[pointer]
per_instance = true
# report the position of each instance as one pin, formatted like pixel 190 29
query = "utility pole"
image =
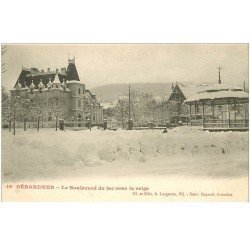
pixel 244 86
pixel 129 103
pixel 219 68
pixel 129 113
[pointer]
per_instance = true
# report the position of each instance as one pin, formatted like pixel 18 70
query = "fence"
pixel 34 124
pixel 51 124
pixel 220 123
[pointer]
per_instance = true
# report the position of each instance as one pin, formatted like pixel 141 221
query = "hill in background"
pixel 110 92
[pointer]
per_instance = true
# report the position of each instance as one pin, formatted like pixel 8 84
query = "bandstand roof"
pixel 189 89
pixel 219 95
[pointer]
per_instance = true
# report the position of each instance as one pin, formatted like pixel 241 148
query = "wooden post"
pixel 228 107
pixel 190 113
pixel 213 109
pixel 14 123
pixel 235 113
pixel 203 114
pixel 245 115
pixel 195 107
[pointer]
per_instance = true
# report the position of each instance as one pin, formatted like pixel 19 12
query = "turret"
pixel 49 85
pixel 25 86
pixel 18 85
pixel 40 85
pixel 32 86
pixel 56 83
pixel 64 84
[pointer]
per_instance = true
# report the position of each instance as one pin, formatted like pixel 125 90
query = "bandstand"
pixel 219 108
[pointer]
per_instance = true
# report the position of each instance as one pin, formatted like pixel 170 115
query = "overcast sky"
pixel 133 63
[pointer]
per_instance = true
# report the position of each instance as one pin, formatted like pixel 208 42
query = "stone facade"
pixel 77 102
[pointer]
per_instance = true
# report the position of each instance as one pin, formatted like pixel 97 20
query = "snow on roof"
pixel 73 81
pixel 56 80
pixel 159 98
pixel 190 89
pixel 218 92
pixel 219 87
pixel 107 105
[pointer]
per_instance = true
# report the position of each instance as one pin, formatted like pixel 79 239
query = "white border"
pixel 124 225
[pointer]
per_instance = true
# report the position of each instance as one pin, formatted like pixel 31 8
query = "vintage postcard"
pixel 125 122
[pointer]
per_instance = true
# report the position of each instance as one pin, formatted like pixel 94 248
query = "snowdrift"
pixel 182 150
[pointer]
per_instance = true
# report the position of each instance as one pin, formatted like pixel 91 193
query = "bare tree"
pixel 38 105
pixel 57 107
pixel 3 51
pixel 89 109
pixel 25 108
pixel 15 108
pixel 121 112
pixel 6 108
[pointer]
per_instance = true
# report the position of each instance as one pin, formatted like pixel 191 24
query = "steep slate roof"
pixel 72 74
pixel 28 74
pixel 88 91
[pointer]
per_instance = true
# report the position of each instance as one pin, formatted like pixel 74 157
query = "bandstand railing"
pixel 220 123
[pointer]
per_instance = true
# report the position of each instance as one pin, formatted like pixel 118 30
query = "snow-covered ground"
pixel 181 151
pixel 181 154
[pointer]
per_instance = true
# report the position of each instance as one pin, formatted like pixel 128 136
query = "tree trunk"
pixel 14 123
pixel 56 123
pixel 38 123
pixel 122 119
pixel 9 125
pixel 14 127
pixel 24 125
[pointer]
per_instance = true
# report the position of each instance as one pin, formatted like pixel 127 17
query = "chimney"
pixel 63 70
pixel 48 70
